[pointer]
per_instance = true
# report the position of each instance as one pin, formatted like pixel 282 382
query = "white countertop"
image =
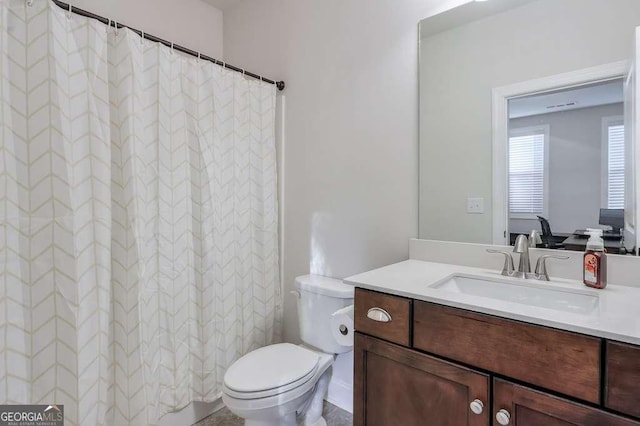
pixel 616 317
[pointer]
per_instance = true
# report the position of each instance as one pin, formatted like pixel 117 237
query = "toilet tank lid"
pixel 324 285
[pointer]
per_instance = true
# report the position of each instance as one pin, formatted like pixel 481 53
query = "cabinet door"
pixel 522 406
pixel 622 385
pixel 398 386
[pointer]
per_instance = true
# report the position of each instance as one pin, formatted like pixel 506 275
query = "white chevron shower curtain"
pixel 138 219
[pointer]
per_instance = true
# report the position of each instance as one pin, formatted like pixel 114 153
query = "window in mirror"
pixel 528 172
pixel 614 143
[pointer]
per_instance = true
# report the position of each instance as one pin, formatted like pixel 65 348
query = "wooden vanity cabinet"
pixel 399 386
pixel 416 380
pixel 622 386
pixel 528 407
pixel 561 361
pixel 397 310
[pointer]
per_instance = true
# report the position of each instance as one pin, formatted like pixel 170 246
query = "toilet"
pixel 276 384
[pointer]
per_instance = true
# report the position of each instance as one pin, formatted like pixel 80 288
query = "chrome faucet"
pixel 524 265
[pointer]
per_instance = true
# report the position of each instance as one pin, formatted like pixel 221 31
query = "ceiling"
pixel 223 4
pixel 605 93
pixel 468 12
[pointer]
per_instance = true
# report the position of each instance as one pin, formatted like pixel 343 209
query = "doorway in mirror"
pixel 565 163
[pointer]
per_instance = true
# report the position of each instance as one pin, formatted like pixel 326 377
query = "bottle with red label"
pixel 595 261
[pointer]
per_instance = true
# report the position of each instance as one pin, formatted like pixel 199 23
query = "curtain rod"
pixel 107 21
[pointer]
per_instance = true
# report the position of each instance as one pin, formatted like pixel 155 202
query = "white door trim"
pixel 500 112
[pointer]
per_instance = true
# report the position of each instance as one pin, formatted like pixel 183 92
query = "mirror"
pixel 513 73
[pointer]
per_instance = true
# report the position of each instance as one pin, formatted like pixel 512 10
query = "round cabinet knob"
pixel 476 406
pixel 503 417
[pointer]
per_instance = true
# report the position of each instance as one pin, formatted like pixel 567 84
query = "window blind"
pixel 526 174
pixel 615 171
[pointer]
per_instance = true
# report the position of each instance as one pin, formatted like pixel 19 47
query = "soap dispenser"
pixel 595 261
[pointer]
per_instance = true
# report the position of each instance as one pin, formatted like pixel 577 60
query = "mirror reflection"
pixel 566 166
pixel 566 160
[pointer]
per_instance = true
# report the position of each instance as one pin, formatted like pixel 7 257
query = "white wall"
pixel 575 167
pixel 350 163
pixel 461 66
pixel 189 23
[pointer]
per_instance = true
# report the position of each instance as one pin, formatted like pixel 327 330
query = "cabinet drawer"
pixel 560 361
pixel 622 388
pixel 528 407
pixel 372 309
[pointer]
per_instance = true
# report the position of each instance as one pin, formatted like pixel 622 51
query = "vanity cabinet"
pixel 400 386
pixel 523 406
pixel 435 366
pixel 373 313
pixel 623 378
pixel 568 363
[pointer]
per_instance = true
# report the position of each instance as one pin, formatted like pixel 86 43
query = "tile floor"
pixel 332 414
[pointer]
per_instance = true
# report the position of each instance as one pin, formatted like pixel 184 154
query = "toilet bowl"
pixel 272 385
pixel 277 384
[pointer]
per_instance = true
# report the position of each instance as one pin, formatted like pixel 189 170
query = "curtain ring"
pixel 115 25
pixel 30 3
pixel 70 12
pixel 172 52
pixel 141 37
pixel 198 57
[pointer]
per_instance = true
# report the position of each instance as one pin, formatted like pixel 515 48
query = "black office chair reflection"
pixel 548 240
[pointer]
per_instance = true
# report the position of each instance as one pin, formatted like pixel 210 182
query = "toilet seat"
pixel 270 371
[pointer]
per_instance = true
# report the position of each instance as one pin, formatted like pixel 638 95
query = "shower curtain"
pixel 138 219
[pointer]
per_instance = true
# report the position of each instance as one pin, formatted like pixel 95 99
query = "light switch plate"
pixel 475 205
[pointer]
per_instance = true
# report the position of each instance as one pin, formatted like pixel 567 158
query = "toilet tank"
pixel 319 298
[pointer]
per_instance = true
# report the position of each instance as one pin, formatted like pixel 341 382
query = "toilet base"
pixel 319 422
pixel 313 412
pixel 285 421
pixel 288 420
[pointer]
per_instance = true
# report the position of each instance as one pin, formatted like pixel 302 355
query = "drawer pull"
pixel 503 417
pixel 476 406
pixel 378 314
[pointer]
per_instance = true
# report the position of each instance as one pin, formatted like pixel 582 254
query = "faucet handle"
pixel 541 265
pixel 508 267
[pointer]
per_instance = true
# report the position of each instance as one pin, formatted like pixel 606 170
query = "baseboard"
pixel 191 414
pixel 340 394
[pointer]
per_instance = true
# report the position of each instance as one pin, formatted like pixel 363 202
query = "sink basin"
pixel 534 294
